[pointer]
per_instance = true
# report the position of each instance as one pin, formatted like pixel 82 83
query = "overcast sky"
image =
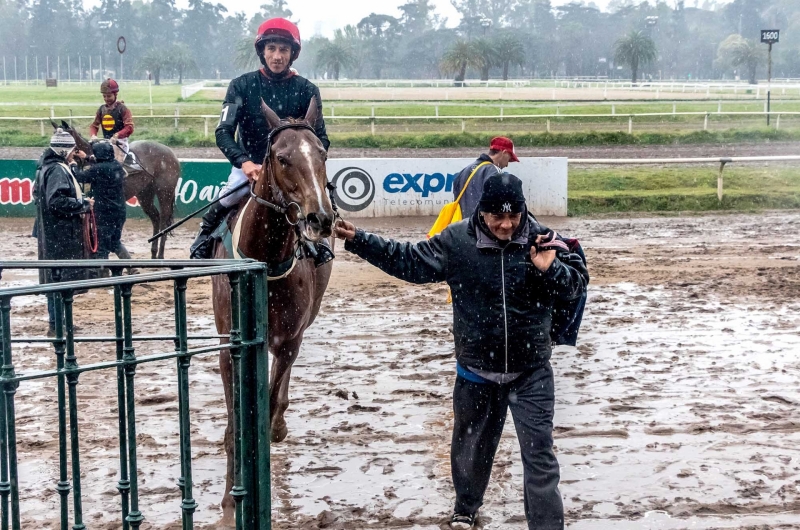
pixel 323 16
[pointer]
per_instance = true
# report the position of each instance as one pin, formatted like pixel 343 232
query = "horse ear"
pixel 54 124
pixel 312 113
pixel 65 126
pixel 272 119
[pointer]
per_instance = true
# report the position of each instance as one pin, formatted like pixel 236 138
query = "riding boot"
pixel 131 161
pixel 122 253
pixel 202 246
pixel 324 253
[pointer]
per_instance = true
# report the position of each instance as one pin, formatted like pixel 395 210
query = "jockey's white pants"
pixel 236 178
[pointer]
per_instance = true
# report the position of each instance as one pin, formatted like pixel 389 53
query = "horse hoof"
pixel 279 434
pixel 228 518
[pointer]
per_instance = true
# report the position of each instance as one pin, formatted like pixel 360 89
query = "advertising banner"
pixel 366 187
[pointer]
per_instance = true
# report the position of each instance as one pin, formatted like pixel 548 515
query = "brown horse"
pixel 157 180
pixel 292 179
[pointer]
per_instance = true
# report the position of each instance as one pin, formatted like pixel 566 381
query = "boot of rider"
pixel 202 246
pixel 324 253
pixel 131 161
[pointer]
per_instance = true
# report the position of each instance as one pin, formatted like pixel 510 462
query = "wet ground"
pixel 676 410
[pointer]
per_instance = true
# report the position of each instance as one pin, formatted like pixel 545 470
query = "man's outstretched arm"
pixel 422 262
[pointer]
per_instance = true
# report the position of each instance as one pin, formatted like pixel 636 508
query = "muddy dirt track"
pixel 610 151
pixel 678 408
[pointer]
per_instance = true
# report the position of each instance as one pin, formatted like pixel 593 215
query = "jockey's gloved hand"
pixel 93 138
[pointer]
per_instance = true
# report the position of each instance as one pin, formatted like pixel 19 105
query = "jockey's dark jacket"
pixel 502 304
pixel 289 97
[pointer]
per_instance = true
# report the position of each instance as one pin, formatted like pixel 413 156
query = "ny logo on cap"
pixel 506 207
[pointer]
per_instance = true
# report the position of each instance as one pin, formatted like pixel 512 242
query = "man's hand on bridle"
pixel 543 259
pixel 344 230
pixel 251 170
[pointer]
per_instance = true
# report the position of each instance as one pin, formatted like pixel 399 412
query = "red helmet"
pixel 109 86
pixel 279 28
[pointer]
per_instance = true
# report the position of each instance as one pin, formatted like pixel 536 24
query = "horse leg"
pixel 147 202
pixel 226 371
pixel 166 207
pixel 285 355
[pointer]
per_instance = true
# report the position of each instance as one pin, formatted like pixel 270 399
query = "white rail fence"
pixel 722 161
pixel 374 119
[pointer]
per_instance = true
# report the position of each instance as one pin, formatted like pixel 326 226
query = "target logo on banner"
pixel 355 189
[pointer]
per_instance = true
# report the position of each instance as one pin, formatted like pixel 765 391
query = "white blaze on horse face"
pixel 305 148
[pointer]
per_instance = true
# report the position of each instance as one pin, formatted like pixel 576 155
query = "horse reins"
pixel 285 210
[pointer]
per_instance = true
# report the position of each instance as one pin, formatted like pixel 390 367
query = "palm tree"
pixel 737 51
pixel 633 50
pixel 335 55
pixel 510 51
pixel 181 59
pixel 486 55
pixel 460 56
pixel 154 60
pixel 246 57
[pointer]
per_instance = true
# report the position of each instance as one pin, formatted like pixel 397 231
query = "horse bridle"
pixel 286 208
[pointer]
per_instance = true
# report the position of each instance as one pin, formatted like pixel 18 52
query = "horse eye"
pixel 283 160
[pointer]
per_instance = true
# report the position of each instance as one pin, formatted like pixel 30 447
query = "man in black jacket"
pixel 289 95
pixel 59 208
pixel 107 178
pixel 504 281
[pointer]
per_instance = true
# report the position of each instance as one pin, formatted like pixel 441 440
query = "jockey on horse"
pixel 289 95
pixel 116 122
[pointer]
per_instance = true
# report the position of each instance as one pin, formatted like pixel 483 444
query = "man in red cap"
pixel 288 94
pixel 501 153
pixel 114 119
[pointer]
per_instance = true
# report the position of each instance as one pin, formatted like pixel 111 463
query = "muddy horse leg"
pixel 166 206
pixel 226 371
pixel 147 202
pixel 285 355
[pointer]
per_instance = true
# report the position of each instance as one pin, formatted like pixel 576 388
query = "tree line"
pixel 675 39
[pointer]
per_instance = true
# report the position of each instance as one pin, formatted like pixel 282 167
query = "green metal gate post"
pixel 124 483
pixel 11 483
pixel 59 345
pixel 188 504
pixel 247 403
pixel 72 382
pixel 238 492
pixel 258 323
pixel 135 517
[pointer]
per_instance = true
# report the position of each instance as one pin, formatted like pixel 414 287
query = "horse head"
pixel 81 143
pixel 294 174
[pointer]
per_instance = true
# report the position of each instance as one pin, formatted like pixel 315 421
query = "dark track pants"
pixel 480 413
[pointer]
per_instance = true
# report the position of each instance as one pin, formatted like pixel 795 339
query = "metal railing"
pixel 722 161
pixel 373 120
pixel 248 350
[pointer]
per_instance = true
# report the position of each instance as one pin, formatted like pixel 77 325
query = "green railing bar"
pixel 128 280
pixel 119 263
pixel 9 389
pixel 143 338
pixel 113 364
pixel 72 384
pixel 135 517
pixel 188 504
pixel 124 483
